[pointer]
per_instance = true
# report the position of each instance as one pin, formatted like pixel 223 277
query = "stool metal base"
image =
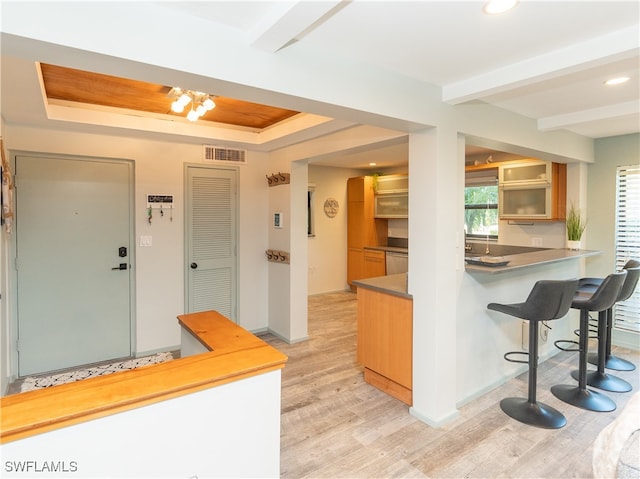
pixel 604 381
pixel 583 398
pixel 535 414
pixel 612 362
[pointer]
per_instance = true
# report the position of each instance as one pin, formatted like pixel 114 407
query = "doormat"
pixel 31 382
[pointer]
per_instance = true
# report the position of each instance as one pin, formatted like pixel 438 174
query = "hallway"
pixel 336 425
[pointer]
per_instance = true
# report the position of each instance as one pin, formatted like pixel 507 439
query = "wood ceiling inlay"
pixel 68 84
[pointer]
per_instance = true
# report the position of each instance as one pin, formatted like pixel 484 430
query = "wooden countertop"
pixel 395 284
pixel 525 260
pixel 235 354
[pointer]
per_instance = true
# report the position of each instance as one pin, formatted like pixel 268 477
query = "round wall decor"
pixel 331 207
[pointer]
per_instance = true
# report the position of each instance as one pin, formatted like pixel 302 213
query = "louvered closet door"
pixel 211 240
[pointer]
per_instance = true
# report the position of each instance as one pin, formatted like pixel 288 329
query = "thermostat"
pixel 277 220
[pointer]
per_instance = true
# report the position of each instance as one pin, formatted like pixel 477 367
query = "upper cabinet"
pixel 391 196
pixel 391 184
pixel 525 174
pixel 532 190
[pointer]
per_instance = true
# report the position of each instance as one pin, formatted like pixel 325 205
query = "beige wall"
pixel 159 278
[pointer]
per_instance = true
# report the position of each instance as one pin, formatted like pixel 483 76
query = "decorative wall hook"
pixel 276 256
pixel 278 179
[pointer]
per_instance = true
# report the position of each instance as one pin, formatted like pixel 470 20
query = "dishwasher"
pixel 397 262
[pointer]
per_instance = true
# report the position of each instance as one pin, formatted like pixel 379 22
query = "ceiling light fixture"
pixel 200 102
pixel 617 81
pixel 495 7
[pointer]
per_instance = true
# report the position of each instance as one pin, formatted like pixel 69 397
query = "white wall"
pixel 159 269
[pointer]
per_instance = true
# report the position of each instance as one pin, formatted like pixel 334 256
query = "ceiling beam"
pixel 608 112
pixel 289 21
pixel 601 50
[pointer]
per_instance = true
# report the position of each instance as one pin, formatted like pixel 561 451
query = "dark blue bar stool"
pixel 547 300
pixel 603 358
pixel 602 299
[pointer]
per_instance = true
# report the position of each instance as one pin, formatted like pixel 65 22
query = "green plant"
pixel 374 182
pixel 575 224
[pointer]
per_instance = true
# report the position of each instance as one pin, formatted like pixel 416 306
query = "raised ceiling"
pixel 82 88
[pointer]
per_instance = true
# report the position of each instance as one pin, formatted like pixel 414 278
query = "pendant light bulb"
pixel 184 99
pixel 209 104
pixel 192 115
pixel 177 107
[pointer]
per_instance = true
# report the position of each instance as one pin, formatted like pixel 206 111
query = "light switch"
pixel 146 240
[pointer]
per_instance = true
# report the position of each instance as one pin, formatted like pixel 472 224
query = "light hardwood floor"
pixel 335 425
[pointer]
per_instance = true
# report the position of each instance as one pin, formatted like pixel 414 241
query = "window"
pixel 627 237
pixel 481 204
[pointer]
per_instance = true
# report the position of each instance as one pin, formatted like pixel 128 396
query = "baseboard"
pixel 288 341
pixel 347 290
pixel 626 339
pixel 430 422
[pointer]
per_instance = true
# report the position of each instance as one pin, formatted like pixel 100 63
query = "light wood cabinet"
pixel 374 263
pixel 362 228
pixel 385 342
pixel 531 190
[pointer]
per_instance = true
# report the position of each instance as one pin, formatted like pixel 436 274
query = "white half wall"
pixel 227 431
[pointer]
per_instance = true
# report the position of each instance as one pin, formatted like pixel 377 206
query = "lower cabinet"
pixel 374 263
pixel 385 342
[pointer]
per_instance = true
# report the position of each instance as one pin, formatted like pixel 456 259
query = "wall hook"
pixel 278 179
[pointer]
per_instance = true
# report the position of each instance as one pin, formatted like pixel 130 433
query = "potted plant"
pixel 575 227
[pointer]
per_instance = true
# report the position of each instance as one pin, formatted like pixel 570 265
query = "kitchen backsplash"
pixel 397 242
pixel 398 228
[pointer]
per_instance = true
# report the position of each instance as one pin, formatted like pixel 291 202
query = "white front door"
pixel 73 246
pixel 211 240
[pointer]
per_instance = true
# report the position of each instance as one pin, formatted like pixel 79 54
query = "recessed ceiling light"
pixel 495 7
pixel 617 81
pixel 372 164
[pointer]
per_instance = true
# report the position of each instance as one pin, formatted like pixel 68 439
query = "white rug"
pixel 30 383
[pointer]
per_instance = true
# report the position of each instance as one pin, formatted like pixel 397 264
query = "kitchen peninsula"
pixel 385 321
pixel 524 260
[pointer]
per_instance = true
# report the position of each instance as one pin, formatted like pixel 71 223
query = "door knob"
pixel 194 265
pixel 121 266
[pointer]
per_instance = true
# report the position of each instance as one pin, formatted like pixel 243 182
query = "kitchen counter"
pixel 525 260
pixel 385 338
pixel 395 284
pixel 391 249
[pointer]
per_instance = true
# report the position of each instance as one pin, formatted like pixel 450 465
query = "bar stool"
pixel 547 300
pixel 599 378
pixel 601 300
pixel 591 284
